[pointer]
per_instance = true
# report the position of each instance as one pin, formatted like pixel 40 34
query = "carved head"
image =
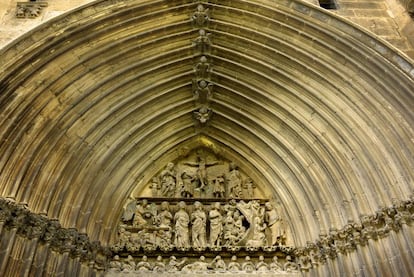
pixel 170 165
pixel 216 205
pixel 181 205
pixel 198 205
pixel 165 206
pixel 200 8
pixel 268 206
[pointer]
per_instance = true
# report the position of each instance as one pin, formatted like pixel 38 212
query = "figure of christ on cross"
pixel 201 173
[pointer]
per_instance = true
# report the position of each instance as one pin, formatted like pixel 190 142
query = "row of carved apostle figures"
pixel 216 264
pixel 232 225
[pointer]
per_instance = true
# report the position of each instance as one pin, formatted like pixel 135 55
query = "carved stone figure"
pixel 229 237
pixel 234 265
pixel 144 265
pixel 234 182
pixel 165 217
pixel 218 264
pixel 174 265
pixel 202 91
pixel 249 186
pixel 187 188
pixel 116 263
pixel 272 220
pixel 275 266
pixel 141 214
pixel 199 223
pixel 168 181
pixel 182 220
pixel 290 266
pixel 129 210
pixel 201 17
pixel 203 114
pixel 199 266
pixel 202 69
pixel 262 266
pixel 202 43
pixel 129 264
pixel 248 265
pixel 159 265
pixel 259 238
pixel 216 225
pixel 154 187
pixel 218 187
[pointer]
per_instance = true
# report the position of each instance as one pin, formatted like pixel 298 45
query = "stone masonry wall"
pixel 12 27
pixel 386 18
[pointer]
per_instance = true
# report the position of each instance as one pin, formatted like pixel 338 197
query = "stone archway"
pixel 95 102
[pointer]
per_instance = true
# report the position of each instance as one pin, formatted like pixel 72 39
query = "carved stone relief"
pixel 30 9
pixel 200 203
pixel 202 85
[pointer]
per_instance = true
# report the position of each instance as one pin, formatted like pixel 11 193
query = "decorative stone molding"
pixel 48 231
pixel 30 9
pixel 356 234
pixel 230 264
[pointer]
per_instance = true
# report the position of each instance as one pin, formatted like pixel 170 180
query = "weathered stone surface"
pixel 97 102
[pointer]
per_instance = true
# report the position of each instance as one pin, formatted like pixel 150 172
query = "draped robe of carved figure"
pixel 168 181
pixel 199 220
pixel 273 223
pixel 216 225
pixel 235 182
pixel 182 220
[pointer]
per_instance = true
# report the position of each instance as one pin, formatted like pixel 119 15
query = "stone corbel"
pixel 31 9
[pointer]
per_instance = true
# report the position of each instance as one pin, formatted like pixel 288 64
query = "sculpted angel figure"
pixel 200 17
